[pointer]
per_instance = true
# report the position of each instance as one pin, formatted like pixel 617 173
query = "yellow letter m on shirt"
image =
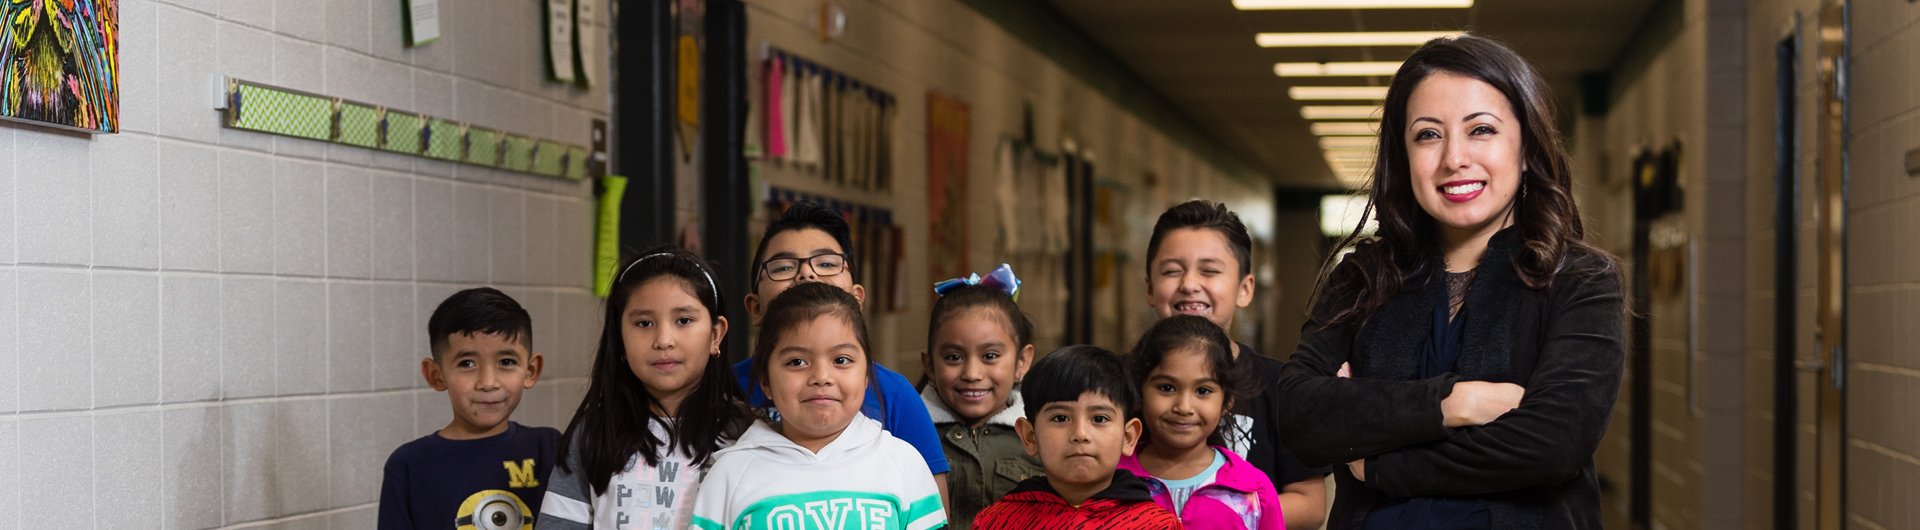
pixel 521 476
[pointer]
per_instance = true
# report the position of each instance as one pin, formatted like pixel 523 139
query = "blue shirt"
pixel 435 482
pixel 905 416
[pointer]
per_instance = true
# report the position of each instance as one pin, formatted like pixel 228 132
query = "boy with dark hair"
pixel 813 243
pixel 482 470
pixel 1200 262
pixel 1080 420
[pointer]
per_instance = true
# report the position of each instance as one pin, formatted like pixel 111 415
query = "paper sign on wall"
pixel 560 39
pixel 423 21
pixel 586 23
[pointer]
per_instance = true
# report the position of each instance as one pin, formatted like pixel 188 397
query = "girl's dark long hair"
pixel 614 421
pixel 1398 252
pixel 799 305
pixel 1192 333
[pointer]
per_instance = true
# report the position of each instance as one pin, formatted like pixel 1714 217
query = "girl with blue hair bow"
pixel 979 345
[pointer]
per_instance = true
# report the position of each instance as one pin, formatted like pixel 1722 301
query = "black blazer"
pixel 1534 465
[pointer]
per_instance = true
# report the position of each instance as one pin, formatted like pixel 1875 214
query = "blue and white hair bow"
pixel 1000 279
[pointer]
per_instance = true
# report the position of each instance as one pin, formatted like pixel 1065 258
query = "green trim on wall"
pixel 1039 25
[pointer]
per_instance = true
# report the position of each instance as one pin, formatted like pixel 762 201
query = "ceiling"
pixel 1201 55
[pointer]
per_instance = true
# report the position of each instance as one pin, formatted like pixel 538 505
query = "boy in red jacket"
pixel 1080 420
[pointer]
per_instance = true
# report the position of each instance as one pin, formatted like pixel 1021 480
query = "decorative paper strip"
pixel 273 110
pixel 606 248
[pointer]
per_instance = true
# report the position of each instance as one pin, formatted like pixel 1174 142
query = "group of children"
pixel 811 434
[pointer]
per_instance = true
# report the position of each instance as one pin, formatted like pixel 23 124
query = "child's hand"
pixel 1359 469
pixel 1346 370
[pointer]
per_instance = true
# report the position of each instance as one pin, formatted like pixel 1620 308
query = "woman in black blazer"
pixel 1483 337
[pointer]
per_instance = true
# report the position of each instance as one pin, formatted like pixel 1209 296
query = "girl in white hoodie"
pixel 824 466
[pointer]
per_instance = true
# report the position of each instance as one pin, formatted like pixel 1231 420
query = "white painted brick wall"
pixel 204 328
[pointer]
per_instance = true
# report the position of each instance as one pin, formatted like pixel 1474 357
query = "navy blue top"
pixel 435 482
pixel 905 416
pixel 1440 354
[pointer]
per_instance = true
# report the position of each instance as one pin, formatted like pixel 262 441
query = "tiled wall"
pixel 209 328
pixel 1883 450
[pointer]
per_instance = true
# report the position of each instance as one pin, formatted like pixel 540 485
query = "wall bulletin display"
pixel 1030 201
pixel 423 21
pixel 825 122
pixel 274 110
pixel 878 245
pixel 947 135
pixel 560 37
pixel 59 63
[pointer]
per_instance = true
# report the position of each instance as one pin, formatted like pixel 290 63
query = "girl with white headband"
pixel 659 406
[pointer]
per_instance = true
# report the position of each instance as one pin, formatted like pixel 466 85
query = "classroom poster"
pixel 947 135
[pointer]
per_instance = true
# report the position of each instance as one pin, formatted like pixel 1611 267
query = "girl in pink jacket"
pixel 1188 379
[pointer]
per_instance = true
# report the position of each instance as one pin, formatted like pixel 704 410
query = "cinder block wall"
pixel 1883 280
pixel 210 328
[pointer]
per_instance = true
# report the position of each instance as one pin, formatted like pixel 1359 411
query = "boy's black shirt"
pixel 428 480
pixel 1266 452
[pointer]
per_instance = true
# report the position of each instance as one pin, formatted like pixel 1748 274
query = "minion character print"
pixel 493 510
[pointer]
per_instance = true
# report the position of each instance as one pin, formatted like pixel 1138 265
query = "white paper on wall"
pixel 423 21
pixel 560 39
pixel 586 23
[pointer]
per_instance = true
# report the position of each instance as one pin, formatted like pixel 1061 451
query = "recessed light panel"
pixel 1346 128
pixel 1337 92
pixel 1340 112
pixel 1349 38
pixel 1336 69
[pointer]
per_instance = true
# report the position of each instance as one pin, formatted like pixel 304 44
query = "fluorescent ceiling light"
pixel 1349 128
pixel 1335 69
pixel 1340 112
pixel 1352 4
pixel 1349 38
pixel 1337 92
pixel 1332 143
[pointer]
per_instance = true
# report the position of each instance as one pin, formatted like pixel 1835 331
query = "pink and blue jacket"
pixel 1239 492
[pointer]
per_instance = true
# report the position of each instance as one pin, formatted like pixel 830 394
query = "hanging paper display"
pixel 559 17
pixel 423 21
pixel 59 63
pixel 826 123
pixel 947 136
pixel 586 37
pixel 688 75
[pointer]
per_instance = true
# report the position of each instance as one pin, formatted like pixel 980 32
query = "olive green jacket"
pixel 985 463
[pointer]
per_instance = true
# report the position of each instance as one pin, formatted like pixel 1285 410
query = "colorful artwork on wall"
pixel 59 63
pixel 947 136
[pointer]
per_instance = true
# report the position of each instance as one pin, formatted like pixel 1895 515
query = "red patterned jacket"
pixel 1124 505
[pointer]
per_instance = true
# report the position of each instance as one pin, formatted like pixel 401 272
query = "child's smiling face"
pixel 1195 272
pixel 1080 441
pixel 975 362
pixel 1181 401
pixel 483 375
pixel 817 379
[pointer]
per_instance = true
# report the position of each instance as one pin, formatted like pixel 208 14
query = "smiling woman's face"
pixel 1464 152
pixel 817 379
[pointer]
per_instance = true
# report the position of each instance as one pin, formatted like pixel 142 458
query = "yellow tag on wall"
pixel 689 80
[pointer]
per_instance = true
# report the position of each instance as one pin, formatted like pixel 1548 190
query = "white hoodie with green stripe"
pixel 864 480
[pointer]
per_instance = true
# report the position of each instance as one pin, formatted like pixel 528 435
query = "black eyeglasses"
pixel 784 269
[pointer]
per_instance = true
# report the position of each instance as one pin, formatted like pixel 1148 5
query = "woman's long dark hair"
pixel 614 421
pixel 1398 253
pixel 1192 332
pixel 799 305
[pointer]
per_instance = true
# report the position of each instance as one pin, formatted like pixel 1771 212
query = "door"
pixel 1830 218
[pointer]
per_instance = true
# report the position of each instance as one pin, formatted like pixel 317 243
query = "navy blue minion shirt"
pixel 495 482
